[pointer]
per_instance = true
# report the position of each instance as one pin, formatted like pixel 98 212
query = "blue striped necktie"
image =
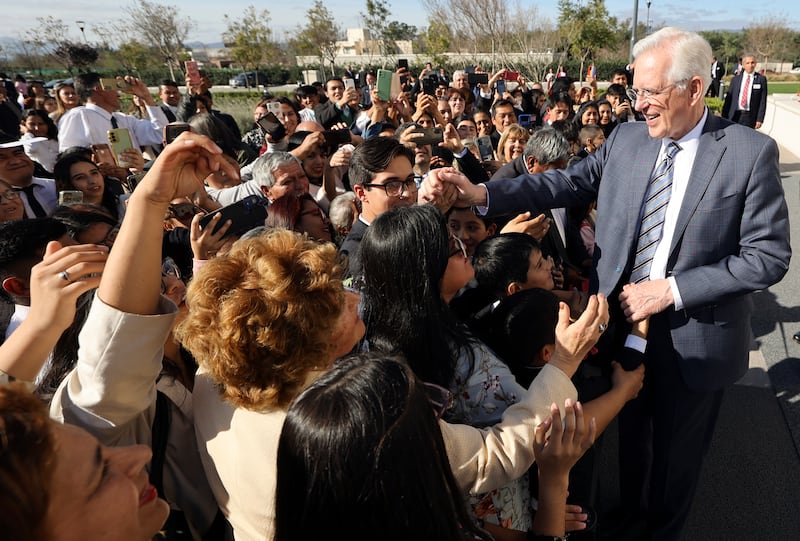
pixel 659 190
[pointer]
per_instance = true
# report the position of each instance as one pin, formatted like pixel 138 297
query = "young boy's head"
pixel 591 137
pixel 469 227
pixel 510 263
pixel 522 331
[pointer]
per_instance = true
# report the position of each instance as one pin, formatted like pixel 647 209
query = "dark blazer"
pixel 758 97
pixel 731 238
pixel 351 247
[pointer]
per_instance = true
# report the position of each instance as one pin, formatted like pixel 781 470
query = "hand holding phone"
pixel 120 140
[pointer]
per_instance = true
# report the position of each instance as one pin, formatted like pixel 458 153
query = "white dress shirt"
pixel 46 195
pixel 749 93
pixel 88 125
pixel 682 171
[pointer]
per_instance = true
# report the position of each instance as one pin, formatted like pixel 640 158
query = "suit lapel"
pixel 641 167
pixel 709 154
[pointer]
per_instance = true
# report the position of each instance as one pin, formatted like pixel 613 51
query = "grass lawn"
pixel 790 87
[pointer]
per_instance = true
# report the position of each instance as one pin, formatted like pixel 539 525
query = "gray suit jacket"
pixel 732 235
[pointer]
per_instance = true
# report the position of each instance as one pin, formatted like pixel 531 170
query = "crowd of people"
pixel 358 318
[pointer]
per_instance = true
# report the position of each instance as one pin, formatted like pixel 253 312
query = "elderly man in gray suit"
pixel 691 219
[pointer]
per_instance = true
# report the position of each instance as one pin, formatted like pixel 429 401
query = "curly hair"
pixel 27 462
pixel 261 317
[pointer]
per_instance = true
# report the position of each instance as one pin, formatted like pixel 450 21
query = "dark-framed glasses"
pixel 394 188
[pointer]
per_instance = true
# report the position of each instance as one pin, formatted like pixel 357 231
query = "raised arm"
pixel 56 283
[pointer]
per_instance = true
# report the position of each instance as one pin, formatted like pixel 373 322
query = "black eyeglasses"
pixel 394 188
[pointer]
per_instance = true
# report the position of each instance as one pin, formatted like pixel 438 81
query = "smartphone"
pixel 174 129
pixel 385 84
pixel 336 137
pixel 244 215
pixel 402 63
pixel 102 155
pixel 271 125
pixel 192 72
pixel 524 121
pixel 120 141
pixel 111 83
pixel 349 83
pixel 70 197
pixel 430 136
pixel 501 87
pixel 274 107
pixel 478 78
pixel 429 86
pixel 485 148
pixel 511 76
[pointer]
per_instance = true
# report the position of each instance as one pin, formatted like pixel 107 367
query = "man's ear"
pixel 490 231
pixel 530 163
pixel 17 287
pixel 360 192
pixel 546 353
pixel 695 89
pixel 265 191
pixel 513 287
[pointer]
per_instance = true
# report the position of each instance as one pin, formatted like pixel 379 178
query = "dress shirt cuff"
pixel 462 153
pixel 636 342
pixel 485 95
pixel 483 210
pixel 676 294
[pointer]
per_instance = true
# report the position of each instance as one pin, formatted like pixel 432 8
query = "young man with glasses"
pixel 382 177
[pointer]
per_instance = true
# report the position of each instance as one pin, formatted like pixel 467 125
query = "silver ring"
pixel 602 327
pixel 64 276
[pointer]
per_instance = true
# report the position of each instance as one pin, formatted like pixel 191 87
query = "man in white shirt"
pixel 89 125
pixel 38 195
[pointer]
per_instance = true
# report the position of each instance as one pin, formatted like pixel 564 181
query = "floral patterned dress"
pixel 483 389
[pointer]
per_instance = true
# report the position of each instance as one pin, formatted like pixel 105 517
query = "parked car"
pixel 248 79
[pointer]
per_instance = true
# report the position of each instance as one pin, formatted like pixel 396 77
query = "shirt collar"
pixel 690 138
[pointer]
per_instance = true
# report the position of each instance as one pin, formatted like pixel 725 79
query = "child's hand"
pixel 558 452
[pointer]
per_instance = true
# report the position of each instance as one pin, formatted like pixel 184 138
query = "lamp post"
pixel 82 26
pixel 647 31
pixel 634 22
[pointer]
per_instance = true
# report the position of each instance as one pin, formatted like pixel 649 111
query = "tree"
pixel 375 20
pixel 75 55
pixel 319 35
pixel 436 41
pixel 397 31
pixel 768 37
pixel 160 26
pixel 249 39
pixel 134 56
pixel 585 28
pixel 727 45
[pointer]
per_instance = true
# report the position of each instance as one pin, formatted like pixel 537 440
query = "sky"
pixel 19 18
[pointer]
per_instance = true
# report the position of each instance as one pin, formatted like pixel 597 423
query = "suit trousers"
pixel 664 436
pixel 745 118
